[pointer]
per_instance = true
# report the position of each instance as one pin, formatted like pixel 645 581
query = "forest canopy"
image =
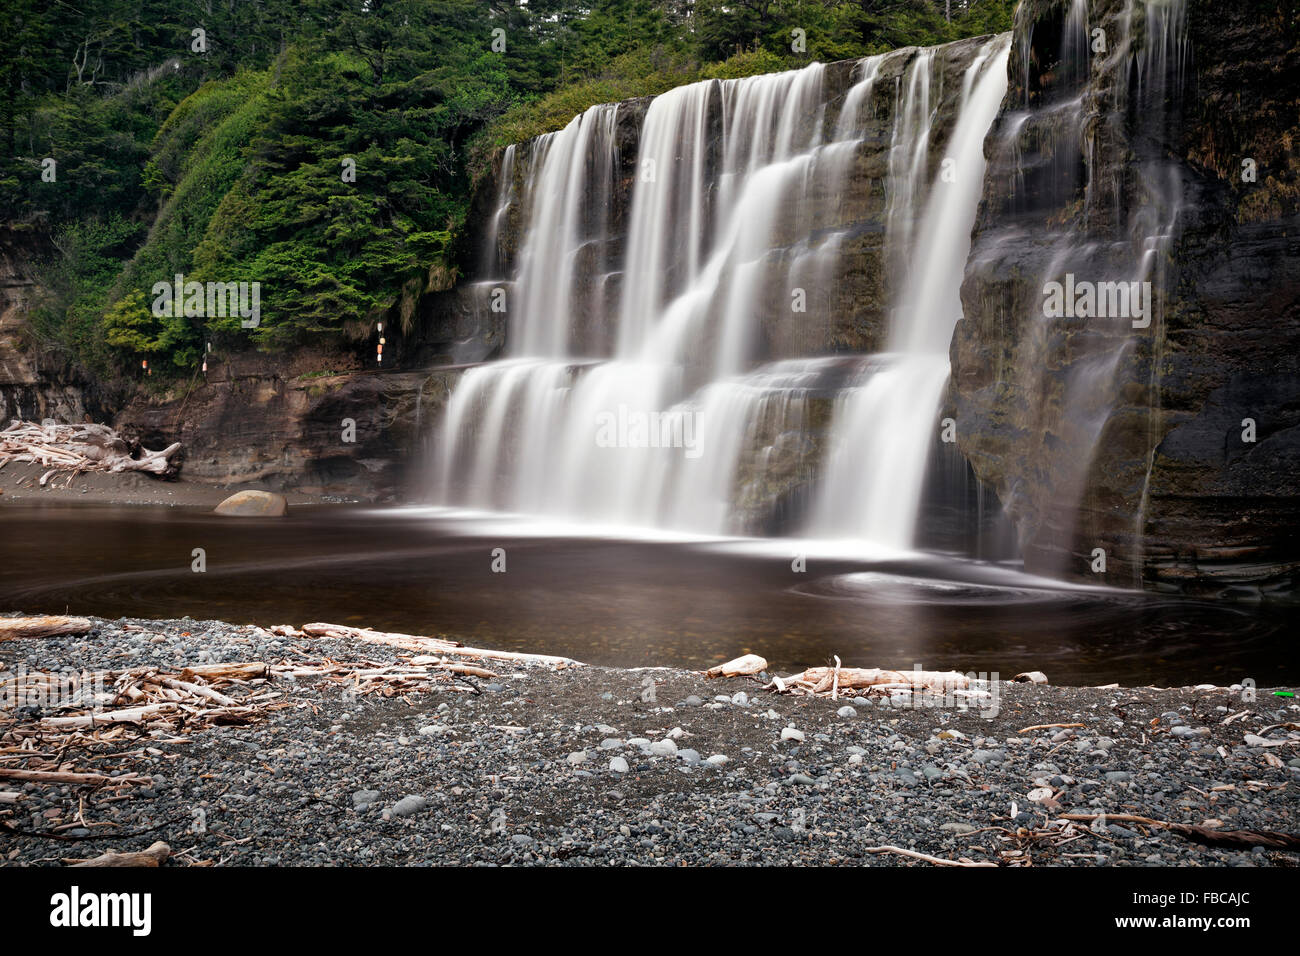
pixel 328 148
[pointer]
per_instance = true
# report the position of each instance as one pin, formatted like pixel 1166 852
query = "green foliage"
pixel 88 257
pixel 226 164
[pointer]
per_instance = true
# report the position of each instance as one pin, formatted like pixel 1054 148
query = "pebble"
pixel 664 748
pixel 577 757
pixel 409 805
pixel 846 711
pixel 789 733
pixel 844 772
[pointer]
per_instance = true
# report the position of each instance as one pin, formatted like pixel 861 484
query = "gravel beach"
pixel 539 765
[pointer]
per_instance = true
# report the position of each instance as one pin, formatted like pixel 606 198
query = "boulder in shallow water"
pixel 254 504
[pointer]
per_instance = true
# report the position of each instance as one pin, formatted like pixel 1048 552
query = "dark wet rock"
pixel 1095 434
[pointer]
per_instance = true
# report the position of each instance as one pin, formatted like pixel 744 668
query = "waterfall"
pixel 740 213
pixel 885 427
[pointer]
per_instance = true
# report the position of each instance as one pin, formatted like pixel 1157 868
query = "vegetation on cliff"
pixel 327 149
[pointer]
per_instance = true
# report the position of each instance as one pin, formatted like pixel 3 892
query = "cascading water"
pixel 734 207
pixel 884 430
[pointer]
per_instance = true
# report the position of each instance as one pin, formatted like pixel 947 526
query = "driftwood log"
pixel 832 680
pixel 82 448
pixel 156 855
pixel 740 667
pixel 19 628
pixel 1206 835
pixel 429 645
pixel 56 776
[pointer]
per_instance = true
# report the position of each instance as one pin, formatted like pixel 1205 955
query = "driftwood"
pixel 51 776
pixel 740 667
pixel 250 671
pixel 156 855
pixel 915 855
pixel 1025 730
pixel 81 448
pixel 80 712
pixel 57 776
pixel 429 645
pixel 20 628
pixel 129 715
pixel 1206 835
pixel 832 680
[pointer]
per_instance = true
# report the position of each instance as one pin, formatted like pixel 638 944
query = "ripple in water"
pixel 899 590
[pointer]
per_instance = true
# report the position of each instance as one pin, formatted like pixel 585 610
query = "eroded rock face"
pixel 32 386
pixel 1128 164
pixel 303 424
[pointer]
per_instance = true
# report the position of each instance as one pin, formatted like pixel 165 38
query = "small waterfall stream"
pixel 884 429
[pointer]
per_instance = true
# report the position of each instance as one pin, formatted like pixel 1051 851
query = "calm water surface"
pixel 627 602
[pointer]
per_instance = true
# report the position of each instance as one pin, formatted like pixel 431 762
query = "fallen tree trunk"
pixel 22 628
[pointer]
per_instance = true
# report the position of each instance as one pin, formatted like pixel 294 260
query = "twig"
pixel 1025 730
pixel 936 860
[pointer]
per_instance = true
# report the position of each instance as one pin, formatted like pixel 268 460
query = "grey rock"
pixel 409 805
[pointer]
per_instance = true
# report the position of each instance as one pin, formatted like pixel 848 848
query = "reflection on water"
pixel 621 601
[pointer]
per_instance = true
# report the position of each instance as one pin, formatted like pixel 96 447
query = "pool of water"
pixel 607 598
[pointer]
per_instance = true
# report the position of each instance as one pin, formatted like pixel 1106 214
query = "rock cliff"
pixel 1167 154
